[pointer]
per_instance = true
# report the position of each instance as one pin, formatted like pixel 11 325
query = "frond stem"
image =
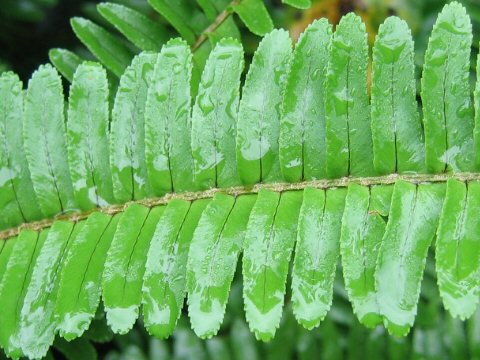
pixel 221 17
pixel 243 190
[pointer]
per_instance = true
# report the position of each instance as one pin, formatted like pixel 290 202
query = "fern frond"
pixel 160 203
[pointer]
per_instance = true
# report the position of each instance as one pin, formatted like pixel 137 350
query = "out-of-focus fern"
pixel 26 10
pixel 121 29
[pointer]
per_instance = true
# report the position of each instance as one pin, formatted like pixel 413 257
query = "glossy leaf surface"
pixel 87 137
pixel 16 189
pixel 14 284
pixel 167 119
pixel 269 241
pixel 214 117
pixel 37 325
pixel 44 142
pixel 127 133
pixel 125 266
pixel 362 232
pixel 410 229
pixel 79 296
pixel 347 114
pixel 216 245
pixel 457 249
pixel 302 124
pixel 316 254
pixel 258 123
pixel 397 135
pixel 445 93
pixel 164 286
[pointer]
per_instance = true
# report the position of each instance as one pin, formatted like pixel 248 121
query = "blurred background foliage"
pixel 30 28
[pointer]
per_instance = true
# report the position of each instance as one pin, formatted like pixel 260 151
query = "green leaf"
pixel 44 142
pixel 299 4
pixel 447 110
pixel 269 241
pixel 5 251
pixel 457 251
pixel 144 33
pixel 65 61
pixel 167 119
pixel 78 349
pixel 381 196
pixel 227 29
pixel 209 7
pixel 164 286
pixel 216 245
pixel 347 109
pixel 109 50
pixel 16 189
pixel 410 229
pixel 255 16
pixel 397 133
pixel 259 112
pixel 14 284
pixel 362 232
pixel 476 102
pixel 214 115
pixel 127 133
pixel 36 328
pixel 184 16
pixel 79 296
pixel 199 58
pixel 125 265
pixel 316 254
pixel 164 282
pixel 302 124
pixel 87 137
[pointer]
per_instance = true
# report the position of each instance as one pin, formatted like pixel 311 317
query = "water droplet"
pixel 339 43
pixel 177 68
pixel 147 71
pixel 279 74
pixel 161 96
pixel 205 104
pixel 391 48
pixel 224 55
pixel 458 26
pixel 341 100
pixel 315 74
pixel 438 57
